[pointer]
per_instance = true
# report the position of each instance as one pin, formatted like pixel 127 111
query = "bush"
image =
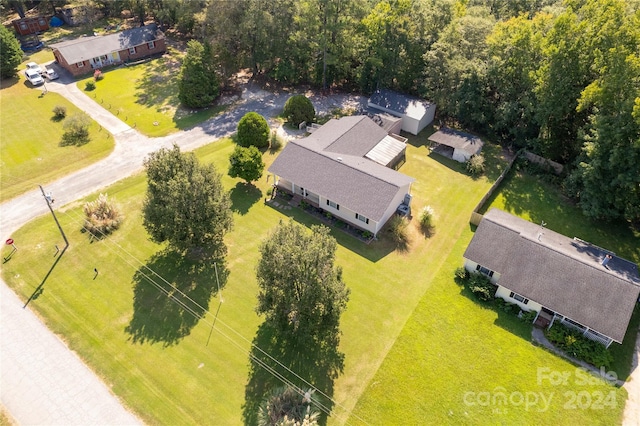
pixel 426 219
pixel 97 75
pixel 461 275
pixel 475 165
pixel 399 232
pixel 59 112
pixel 90 85
pixel 101 217
pixel 527 316
pixel 575 344
pixel 481 286
pixel 253 129
pixel 276 142
pixel 299 108
pixel 76 129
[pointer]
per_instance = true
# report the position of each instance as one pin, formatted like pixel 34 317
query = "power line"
pixel 261 363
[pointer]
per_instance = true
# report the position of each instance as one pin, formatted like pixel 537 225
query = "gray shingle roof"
pixel 399 103
pixel 562 274
pixel 328 166
pixel 85 48
pixel 456 139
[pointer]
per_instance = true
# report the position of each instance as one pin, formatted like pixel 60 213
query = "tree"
pixel 198 85
pixel 11 55
pixel 253 130
pixel 101 216
pixel 299 108
pixel 246 163
pixel 76 129
pixel 300 289
pixel 186 204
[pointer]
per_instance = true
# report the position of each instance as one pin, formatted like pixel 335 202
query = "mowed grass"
pixel 145 96
pixel 30 151
pixel 194 379
pixel 456 359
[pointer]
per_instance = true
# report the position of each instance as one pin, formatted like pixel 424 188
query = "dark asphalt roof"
pixel 561 273
pixel 457 139
pixel 85 48
pixel 325 163
pixel 401 104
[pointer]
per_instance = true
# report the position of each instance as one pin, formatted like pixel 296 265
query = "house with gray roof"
pixel 345 167
pixel 583 286
pixel 416 113
pixel 84 54
pixel 455 144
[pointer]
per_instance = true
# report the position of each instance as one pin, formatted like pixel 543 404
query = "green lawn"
pixel 405 313
pixel 30 151
pixel 145 96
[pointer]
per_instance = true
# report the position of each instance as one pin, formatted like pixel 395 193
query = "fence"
pixel 556 168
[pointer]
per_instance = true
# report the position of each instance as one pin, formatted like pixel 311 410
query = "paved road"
pixel 41 380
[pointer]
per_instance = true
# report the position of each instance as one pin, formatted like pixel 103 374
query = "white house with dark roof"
pixel 455 144
pixel 84 54
pixel 416 113
pixel 344 167
pixel 561 278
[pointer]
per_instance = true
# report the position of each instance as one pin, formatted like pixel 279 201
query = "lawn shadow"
pixel 166 311
pixel 318 364
pixel 243 196
pixel 156 86
pixel 69 140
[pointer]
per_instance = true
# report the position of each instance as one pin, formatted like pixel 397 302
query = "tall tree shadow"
pixel 318 364
pixel 166 309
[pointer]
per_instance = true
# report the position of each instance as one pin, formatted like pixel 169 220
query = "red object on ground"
pixel 9 241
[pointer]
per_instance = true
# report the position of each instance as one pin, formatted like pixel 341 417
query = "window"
pixel 151 45
pixel 23 26
pixel 80 64
pixel 132 50
pixel 103 57
pixel 362 218
pixel 485 271
pixel 519 298
pixel 334 205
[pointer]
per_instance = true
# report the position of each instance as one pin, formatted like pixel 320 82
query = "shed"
pixel 416 113
pixel 30 25
pixel 457 145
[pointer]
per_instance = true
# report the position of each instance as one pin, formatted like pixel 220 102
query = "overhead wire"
pixel 80 220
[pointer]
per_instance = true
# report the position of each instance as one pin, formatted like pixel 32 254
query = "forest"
pixel 560 78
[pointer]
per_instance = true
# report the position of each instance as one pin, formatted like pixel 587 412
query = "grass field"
pixel 145 96
pixel 30 151
pixel 413 344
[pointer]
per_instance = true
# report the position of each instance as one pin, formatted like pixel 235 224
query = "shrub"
pixel 481 286
pixel 253 129
pixel 527 316
pixel 76 129
pixel 90 85
pixel 299 108
pixel 276 142
pixel 461 275
pixel 97 75
pixel 59 112
pixel 426 219
pixel 575 344
pixel 399 232
pixel 101 216
pixel 475 165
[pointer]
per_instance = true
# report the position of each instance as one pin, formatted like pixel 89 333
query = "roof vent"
pixel 340 159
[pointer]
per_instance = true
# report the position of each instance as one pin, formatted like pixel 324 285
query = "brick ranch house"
pixel 83 55
pixel 346 167
pixel 578 284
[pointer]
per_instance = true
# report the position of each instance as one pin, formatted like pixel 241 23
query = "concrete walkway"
pixel 42 380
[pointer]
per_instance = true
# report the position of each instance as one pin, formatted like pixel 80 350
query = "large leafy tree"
pixel 253 130
pixel 186 204
pixel 300 290
pixel 246 163
pixel 10 53
pixel 198 86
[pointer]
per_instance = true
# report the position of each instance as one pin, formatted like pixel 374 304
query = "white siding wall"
pixel 471 266
pixel 398 199
pixel 348 216
pixel 504 293
pixel 460 155
pixel 410 125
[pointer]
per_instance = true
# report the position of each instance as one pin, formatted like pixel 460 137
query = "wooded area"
pixel 561 78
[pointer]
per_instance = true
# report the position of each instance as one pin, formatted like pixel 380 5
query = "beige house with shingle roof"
pixel 563 279
pixel 344 167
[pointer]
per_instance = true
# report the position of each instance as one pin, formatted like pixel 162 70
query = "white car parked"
pixel 34 77
pixel 34 67
pixel 51 74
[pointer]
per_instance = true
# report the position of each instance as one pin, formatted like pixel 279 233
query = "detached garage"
pixel 457 145
pixel 416 113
